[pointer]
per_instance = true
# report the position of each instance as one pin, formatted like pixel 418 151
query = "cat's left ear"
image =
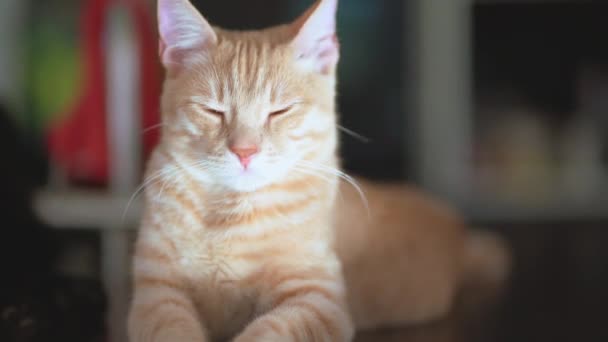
pixel 184 34
pixel 315 42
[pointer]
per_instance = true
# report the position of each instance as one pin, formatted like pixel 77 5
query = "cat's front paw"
pixel 261 338
pixel 260 334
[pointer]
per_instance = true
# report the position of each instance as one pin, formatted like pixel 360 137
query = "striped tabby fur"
pixel 233 246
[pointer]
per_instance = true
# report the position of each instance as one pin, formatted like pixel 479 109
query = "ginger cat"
pixel 238 237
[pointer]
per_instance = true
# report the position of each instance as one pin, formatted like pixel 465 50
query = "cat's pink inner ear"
pixel 184 33
pixel 315 39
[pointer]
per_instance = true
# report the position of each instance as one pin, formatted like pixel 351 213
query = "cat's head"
pixel 248 108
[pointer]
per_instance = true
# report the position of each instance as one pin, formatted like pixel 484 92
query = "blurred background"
pixel 500 107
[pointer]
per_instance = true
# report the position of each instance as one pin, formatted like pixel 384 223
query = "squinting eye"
pixel 215 112
pixel 279 112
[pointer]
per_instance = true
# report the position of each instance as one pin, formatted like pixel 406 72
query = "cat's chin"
pixel 256 177
pixel 247 182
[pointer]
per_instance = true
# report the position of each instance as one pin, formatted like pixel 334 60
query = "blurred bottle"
pixel 581 165
pixel 516 155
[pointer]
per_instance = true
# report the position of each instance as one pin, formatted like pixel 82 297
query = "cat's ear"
pixel 315 41
pixel 184 34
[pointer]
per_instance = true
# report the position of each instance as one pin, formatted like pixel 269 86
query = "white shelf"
pixel 487 210
pixel 87 209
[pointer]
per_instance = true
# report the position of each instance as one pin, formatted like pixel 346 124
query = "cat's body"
pixel 238 234
pixel 230 269
pixel 407 261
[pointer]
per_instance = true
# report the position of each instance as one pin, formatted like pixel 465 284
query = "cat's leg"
pixel 162 309
pixel 163 315
pixel 304 310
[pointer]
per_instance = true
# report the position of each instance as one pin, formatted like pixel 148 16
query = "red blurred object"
pixel 78 142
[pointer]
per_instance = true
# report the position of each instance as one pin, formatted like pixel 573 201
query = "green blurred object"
pixel 53 63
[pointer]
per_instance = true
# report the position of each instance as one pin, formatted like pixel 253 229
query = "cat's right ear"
pixel 184 34
pixel 315 41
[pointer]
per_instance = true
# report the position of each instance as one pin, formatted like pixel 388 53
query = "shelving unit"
pixel 441 96
pixel 87 209
pixel 438 37
pixel 105 210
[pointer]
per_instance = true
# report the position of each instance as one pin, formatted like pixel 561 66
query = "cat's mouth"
pixel 260 172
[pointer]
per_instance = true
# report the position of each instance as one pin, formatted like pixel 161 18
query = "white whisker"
pixel 350 180
pixel 153 127
pixel 354 134
pixel 171 172
pixel 169 179
pixel 144 184
pixel 313 173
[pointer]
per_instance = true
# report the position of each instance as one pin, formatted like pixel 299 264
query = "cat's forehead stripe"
pixel 249 72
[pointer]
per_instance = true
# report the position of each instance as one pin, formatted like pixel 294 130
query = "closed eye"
pixel 279 112
pixel 216 112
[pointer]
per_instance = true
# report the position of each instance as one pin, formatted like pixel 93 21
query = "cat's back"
pixel 396 215
pixel 406 248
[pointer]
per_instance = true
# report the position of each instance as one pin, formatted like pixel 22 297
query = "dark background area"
pixel 536 49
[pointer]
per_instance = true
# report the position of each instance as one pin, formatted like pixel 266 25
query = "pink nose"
pixel 244 153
